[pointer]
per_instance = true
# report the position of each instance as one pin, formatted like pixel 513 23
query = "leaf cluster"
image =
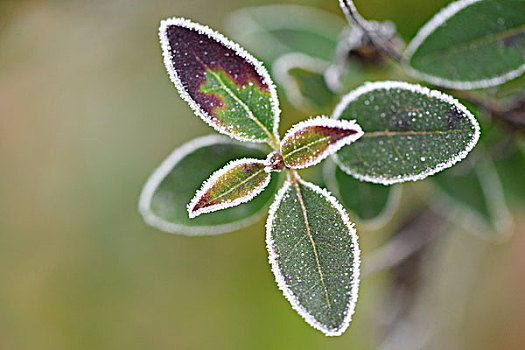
pixel 380 133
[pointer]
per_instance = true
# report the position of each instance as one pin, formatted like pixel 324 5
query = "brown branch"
pixel 383 45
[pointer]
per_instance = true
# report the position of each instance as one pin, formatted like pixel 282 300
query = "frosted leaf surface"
pixel 314 254
pixel 309 142
pixel 170 188
pixel 410 132
pixel 226 86
pixel 471 44
pixel 238 182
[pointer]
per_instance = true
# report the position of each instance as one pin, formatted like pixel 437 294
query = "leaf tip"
pixel 196 206
pixel 238 182
pixel 196 56
pixel 192 211
pixel 436 118
pixel 309 142
pixel 276 242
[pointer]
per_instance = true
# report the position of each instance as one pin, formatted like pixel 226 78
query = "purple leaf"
pixel 238 182
pixel 226 86
pixel 309 142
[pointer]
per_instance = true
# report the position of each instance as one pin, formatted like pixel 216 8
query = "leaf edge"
pixel 384 217
pixel 160 173
pixel 244 54
pixel 247 26
pixel 427 29
pixel 281 70
pixel 472 221
pixel 208 183
pixel 326 122
pixel 392 84
pixel 279 278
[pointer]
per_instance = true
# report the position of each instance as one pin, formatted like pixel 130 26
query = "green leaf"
pixel 223 84
pixel 410 132
pixel 471 44
pixel 272 31
pixel 236 183
pixel 507 150
pixel 314 254
pixel 477 189
pixel 170 188
pixel 372 203
pixel 302 78
pixel 309 142
pixel 510 165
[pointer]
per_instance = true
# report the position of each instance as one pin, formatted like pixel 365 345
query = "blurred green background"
pixel 86 113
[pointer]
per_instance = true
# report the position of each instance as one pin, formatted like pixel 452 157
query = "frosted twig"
pixel 382 44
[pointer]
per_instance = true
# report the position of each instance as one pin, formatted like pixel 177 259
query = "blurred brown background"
pixel 86 113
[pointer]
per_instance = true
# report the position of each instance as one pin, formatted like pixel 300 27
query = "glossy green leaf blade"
pixel 314 254
pixel 302 78
pixel 275 30
pixel 410 132
pixel 164 199
pixel 236 183
pixel 477 188
pixel 224 85
pixel 372 203
pixel 309 142
pixel 471 44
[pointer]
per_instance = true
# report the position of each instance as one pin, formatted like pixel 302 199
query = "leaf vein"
pixel 303 209
pixel 308 145
pixel 271 137
pixel 233 188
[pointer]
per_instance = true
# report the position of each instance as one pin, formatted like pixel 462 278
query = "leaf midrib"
pixel 271 138
pixel 243 105
pixel 471 44
pixel 410 133
pixel 308 232
pixel 237 185
pixel 308 145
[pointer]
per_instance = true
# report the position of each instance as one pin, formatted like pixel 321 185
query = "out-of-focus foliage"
pixel 471 44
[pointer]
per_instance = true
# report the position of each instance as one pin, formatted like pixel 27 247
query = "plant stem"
pixel 274 143
pixel 383 45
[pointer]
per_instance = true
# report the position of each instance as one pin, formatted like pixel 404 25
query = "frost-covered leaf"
pixel 302 78
pixel 471 44
pixel 410 132
pixel 309 142
pixel 478 190
pixel 314 254
pixel 238 182
pixel 275 30
pixel 372 203
pixel 170 188
pixel 226 86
